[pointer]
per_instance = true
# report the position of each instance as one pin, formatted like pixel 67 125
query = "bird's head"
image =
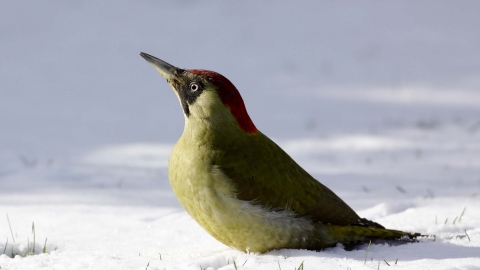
pixel 206 96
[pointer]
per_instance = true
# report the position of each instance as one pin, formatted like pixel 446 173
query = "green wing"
pixel 277 182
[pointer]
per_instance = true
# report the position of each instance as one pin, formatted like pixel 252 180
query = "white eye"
pixel 194 87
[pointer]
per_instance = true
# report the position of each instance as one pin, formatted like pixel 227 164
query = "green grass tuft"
pixel 31 249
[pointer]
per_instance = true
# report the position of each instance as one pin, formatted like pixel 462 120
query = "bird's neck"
pixel 214 131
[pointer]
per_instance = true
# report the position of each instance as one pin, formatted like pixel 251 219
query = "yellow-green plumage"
pixel 243 188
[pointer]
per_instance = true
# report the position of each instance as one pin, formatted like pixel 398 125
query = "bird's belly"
pixel 245 226
pixel 210 200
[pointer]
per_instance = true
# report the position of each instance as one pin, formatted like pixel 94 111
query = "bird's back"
pixel 276 181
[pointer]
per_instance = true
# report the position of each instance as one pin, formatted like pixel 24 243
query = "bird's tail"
pixel 352 235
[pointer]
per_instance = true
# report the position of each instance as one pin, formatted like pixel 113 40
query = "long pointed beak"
pixel 166 70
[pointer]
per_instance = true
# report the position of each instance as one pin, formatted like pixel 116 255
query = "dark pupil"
pixel 194 87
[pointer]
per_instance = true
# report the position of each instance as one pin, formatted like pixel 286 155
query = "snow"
pixel 378 100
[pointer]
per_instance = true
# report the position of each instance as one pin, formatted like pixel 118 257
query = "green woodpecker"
pixel 240 186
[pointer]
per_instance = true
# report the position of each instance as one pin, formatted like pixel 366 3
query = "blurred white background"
pixel 71 77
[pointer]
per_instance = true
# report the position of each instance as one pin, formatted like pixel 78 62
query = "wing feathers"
pixel 277 182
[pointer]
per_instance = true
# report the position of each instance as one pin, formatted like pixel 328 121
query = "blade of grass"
pixel 33 231
pixel 386 261
pixel 5 248
pixel 45 246
pixel 467 235
pixel 10 228
pixel 366 254
pixel 463 212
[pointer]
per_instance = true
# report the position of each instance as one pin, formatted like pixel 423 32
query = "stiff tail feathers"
pixel 353 235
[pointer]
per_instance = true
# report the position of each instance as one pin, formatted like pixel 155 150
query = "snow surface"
pixel 379 100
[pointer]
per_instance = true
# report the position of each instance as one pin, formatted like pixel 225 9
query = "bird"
pixel 240 186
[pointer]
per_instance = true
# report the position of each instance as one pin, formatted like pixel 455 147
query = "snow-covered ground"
pixel 378 100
